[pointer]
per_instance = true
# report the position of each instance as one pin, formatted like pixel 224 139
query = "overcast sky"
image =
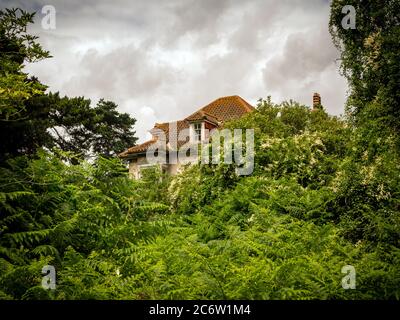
pixel 162 60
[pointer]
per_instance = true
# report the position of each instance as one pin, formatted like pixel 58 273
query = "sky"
pixel 162 60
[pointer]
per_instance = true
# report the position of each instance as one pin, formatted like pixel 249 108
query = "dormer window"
pixel 197 132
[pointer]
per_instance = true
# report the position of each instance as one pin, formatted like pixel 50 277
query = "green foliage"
pixel 16 47
pixel 367 184
pixel 70 124
pixel 87 131
pixel 324 194
pixel 31 118
pixel 49 209
pixel 284 232
pixel 370 56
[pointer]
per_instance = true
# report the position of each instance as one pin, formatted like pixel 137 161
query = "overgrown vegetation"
pixel 325 193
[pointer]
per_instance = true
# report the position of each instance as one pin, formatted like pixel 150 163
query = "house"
pixel 196 127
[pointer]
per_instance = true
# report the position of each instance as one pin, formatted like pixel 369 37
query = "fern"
pixel 27 237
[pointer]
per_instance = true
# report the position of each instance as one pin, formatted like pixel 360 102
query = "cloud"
pixel 145 117
pixel 160 61
pixel 304 56
pixel 307 63
pixel 123 73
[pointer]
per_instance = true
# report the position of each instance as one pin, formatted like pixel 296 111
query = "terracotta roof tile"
pixel 227 108
pixel 137 149
pixel 201 115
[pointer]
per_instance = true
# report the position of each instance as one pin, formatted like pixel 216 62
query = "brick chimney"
pixel 316 101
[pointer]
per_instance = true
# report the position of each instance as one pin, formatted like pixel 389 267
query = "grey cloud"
pixel 307 63
pixel 304 55
pixel 161 60
pixel 124 72
pixel 199 19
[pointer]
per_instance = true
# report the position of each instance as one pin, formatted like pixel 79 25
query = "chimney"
pixel 316 101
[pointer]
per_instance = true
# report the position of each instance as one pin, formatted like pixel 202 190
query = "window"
pixel 197 132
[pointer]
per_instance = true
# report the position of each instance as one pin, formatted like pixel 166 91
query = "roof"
pixel 223 109
pixel 201 115
pixel 166 126
pixel 217 112
pixel 180 125
pixel 137 149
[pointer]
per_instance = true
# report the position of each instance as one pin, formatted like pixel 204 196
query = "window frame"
pixel 197 130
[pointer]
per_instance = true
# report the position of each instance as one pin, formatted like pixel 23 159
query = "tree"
pixel 370 56
pixel 70 124
pixel 16 48
pixel 77 127
pixel 31 118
